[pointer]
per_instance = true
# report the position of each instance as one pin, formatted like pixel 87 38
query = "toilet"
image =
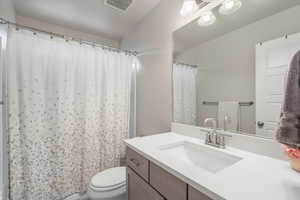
pixel 108 185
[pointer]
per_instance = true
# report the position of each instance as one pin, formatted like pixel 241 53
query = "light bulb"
pixel 207 18
pixel 188 7
pixel 230 6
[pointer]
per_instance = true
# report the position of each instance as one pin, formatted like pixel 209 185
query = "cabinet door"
pixel 196 195
pixel 138 189
pixel 138 163
pixel 166 184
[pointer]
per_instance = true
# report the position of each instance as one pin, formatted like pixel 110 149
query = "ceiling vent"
pixel 122 5
pixel 203 3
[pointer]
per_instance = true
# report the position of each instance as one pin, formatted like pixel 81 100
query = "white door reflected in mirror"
pixel 272 63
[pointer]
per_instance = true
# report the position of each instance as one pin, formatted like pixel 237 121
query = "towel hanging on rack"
pixel 289 129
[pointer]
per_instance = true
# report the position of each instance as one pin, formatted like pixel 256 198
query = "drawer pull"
pixel 138 163
pixel 135 162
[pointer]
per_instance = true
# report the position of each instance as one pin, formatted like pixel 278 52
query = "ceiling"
pixel 192 35
pixel 90 16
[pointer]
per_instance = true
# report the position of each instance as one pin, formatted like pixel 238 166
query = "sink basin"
pixel 199 156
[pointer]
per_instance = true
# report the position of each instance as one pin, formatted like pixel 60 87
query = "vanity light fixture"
pixel 230 6
pixel 188 7
pixel 205 7
pixel 207 18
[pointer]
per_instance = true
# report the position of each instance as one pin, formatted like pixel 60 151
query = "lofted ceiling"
pixel 192 35
pixel 90 16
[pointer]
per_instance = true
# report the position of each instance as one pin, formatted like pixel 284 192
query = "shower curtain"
pixel 68 110
pixel 184 94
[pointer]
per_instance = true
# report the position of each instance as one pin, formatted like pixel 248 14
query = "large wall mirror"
pixel 231 65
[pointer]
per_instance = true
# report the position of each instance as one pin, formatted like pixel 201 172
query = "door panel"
pixel 138 163
pixel 138 189
pixel 196 195
pixel 272 62
pixel 166 184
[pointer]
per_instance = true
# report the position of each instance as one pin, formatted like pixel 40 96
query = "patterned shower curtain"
pixel 68 108
pixel 184 94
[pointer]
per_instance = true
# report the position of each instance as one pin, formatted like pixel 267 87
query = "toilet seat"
pixel 107 189
pixel 110 181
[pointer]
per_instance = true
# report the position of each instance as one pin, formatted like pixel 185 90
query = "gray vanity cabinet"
pixel 196 195
pixel 167 184
pixel 138 189
pixel 147 181
pixel 138 163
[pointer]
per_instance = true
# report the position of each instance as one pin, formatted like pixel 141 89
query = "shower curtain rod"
pixel 67 38
pixel 186 64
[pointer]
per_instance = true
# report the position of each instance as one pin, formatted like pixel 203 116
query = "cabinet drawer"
pixel 138 189
pixel 138 163
pixel 196 195
pixel 166 184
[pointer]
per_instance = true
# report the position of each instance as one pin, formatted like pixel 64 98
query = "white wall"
pixel 229 63
pixel 153 35
pixel 7 12
pixel 66 31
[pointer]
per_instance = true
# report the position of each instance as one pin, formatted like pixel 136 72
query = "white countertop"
pixel 255 177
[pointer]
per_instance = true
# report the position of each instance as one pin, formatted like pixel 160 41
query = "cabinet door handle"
pixel 135 162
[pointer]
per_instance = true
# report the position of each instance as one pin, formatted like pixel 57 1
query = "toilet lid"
pixel 110 178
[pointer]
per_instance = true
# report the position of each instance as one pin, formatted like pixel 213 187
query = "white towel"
pixel 229 110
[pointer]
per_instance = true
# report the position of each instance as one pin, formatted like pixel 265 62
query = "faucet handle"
pixel 220 140
pixel 210 137
pixel 207 137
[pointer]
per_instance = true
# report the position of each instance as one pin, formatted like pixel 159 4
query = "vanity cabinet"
pixel 138 189
pixel 147 181
pixel 196 195
pixel 138 163
pixel 168 185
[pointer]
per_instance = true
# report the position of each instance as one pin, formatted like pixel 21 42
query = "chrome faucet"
pixel 213 121
pixel 213 137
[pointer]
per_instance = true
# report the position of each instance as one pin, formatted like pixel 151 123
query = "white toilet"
pixel 108 185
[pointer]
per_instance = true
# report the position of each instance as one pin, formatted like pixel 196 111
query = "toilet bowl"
pixel 108 185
